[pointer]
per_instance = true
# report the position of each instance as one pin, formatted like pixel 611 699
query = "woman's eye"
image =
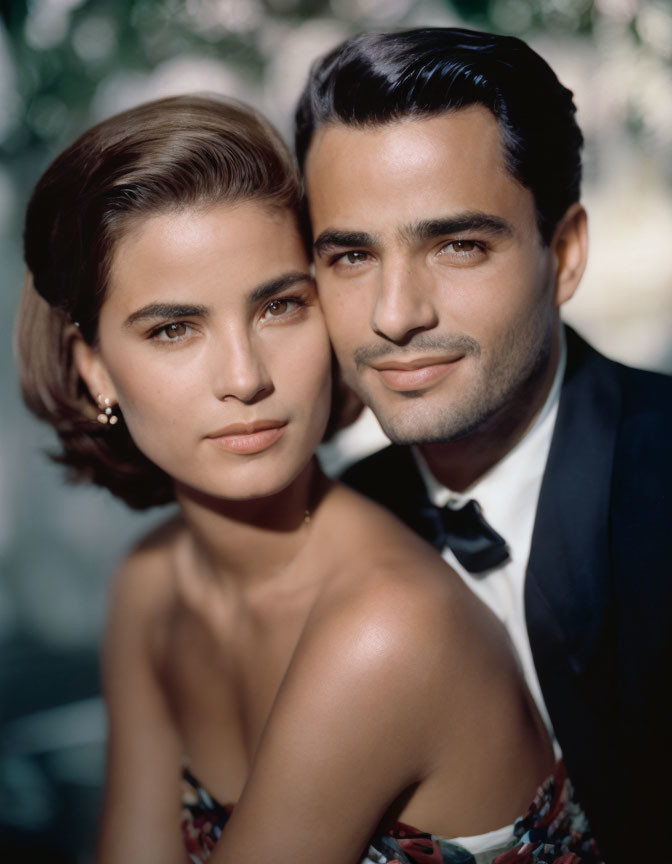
pixel 281 306
pixel 172 332
pixel 277 307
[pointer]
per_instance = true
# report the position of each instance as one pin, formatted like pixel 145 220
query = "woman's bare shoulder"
pixel 367 538
pixel 143 586
pixel 153 551
pixel 392 589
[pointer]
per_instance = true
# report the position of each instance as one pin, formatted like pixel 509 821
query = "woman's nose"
pixel 239 371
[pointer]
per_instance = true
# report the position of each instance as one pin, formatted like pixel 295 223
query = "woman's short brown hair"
pixel 164 155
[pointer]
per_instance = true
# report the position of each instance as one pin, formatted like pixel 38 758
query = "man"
pixel 443 176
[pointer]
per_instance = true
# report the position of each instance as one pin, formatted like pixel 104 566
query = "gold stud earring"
pixel 106 410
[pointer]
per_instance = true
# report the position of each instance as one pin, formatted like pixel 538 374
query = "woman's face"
pixel 212 341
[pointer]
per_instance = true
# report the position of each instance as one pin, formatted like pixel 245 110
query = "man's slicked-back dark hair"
pixel 377 78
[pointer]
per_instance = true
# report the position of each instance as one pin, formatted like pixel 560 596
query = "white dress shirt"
pixel 508 495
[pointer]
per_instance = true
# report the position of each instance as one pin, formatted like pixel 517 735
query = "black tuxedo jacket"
pixel 598 590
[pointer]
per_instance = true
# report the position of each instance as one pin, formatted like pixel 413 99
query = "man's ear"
pixel 91 369
pixel 570 246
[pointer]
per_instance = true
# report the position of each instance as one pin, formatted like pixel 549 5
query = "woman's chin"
pixel 237 492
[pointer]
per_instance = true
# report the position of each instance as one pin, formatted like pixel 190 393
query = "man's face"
pixel 438 292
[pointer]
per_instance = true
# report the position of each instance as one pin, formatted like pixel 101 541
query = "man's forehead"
pixel 446 128
pixel 411 169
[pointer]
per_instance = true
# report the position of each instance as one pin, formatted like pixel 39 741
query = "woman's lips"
pixel 416 375
pixel 248 439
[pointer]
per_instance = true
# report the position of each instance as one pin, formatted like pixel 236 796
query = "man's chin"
pixel 408 432
pixel 431 424
pixel 423 437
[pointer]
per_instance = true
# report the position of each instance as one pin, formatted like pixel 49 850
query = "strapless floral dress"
pixel 553 831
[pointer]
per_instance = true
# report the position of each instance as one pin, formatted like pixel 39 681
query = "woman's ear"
pixel 570 245
pixel 91 369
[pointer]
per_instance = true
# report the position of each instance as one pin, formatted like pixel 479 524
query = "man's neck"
pixel 458 464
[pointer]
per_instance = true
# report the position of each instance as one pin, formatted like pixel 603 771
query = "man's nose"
pixel 404 303
pixel 239 371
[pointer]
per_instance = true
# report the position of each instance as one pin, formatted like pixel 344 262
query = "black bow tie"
pixel 476 545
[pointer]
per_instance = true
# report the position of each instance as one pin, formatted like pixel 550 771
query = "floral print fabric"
pixel 553 831
pixel 203 819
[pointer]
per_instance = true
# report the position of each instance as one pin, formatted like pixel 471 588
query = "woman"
pixel 282 641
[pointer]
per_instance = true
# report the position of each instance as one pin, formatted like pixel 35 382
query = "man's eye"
pixel 349 259
pixel 462 253
pixel 461 247
pixel 354 257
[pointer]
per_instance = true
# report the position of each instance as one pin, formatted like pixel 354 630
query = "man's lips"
pixel 248 437
pixel 415 374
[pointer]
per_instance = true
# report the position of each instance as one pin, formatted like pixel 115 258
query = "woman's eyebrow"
pixel 166 310
pixel 276 285
pixel 179 310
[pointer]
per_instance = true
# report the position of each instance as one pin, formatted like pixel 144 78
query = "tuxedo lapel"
pixel 567 591
pixel 568 564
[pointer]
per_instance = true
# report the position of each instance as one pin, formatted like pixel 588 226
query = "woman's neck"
pixel 250 543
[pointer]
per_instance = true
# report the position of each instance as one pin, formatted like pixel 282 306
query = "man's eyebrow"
pixel 428 229
pixel 276 285
pixel 166 310
pixel 333 239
